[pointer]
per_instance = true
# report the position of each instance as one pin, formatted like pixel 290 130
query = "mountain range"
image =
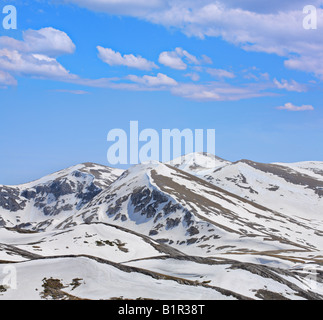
pixel 198 227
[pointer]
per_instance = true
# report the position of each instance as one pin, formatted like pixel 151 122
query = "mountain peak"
pixel 199 162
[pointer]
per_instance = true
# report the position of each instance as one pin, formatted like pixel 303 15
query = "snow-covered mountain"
pixel 199 163
pixel 186 212
pixel 199 227
pixel 40 203
pixel 292 189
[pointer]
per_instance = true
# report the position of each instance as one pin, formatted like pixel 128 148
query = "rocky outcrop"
pixel 10 199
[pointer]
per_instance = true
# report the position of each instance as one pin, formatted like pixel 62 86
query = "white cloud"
pixel 47 41
pixel 206 60
pixel 174 59
pixel 76 92
pixel 34 65
pixel 265 76
pixel 194 76
pixel 255 75
pixel 35 55
pixel 310 62
pixel 272 6
pixel 113 58
pixel 7 79
pixel 220 73
pixel 138 8
pixel 290 107
pixel 290 86
pixel 189 57
pixel 160 80
pixel 219 91
pixel 197 92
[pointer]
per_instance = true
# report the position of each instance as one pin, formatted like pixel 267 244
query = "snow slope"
pixel 78 278
pixel 199 163
pixel 292 189
pixel 194 216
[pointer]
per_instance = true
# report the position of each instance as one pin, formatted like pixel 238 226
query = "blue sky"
pixel 250 72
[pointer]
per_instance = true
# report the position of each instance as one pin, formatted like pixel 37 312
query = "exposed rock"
pixel 192 231
pixel 10 200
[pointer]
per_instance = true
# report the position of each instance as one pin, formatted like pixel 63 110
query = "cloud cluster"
pixel 219 91
pixel 175 59
pixel 279 33
pixel 274 27
pixel 290 85
pixel 160 80
pixel 46 41
pixel 172 60
pixel 291 107
pixel 113 58
pixel 273 6
pixel 220 73
pixel 35 55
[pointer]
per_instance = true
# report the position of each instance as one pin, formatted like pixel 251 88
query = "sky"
pixel 75 69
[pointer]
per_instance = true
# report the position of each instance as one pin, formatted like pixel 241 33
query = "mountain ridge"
pixel 198 218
